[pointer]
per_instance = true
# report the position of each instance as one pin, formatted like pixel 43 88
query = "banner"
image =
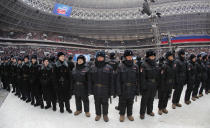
pixel 185 39
pixel 61 9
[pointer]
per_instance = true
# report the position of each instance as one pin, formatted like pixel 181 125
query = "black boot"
pixel 48 106
pixel 67 105
pixel 54 108
pixel 32 102
pixel 8 89
pixel 117 108
pixel 61 110
pixel 69 110
pixel 23 98
pixel 42 106
pixel 28 100
pixel 36 104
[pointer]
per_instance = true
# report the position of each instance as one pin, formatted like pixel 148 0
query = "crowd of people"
pixel 54 80
pixel 43 51
pixel 52 36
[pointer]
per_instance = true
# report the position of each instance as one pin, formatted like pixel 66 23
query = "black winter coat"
pixel 127 80
pixel 100 81
pixel 80 80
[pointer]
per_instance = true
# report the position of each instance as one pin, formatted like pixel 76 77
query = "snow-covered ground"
pixel 15 113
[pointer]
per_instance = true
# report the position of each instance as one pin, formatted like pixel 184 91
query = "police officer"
pixel 1 70
pixel 70 63
pixel 127 85
pixel 13 73
pixel 198 77
pixel 6 74
pixel 139 61
pixel 19 77
pixel 101 85
pixel 91 62
pixel 208 70
pixel 149 76
pixel 181 75
pixel 63 82
pixel 80 85
pixel 167 82
pixel 191 77
pixel 114 64
pixel 25 75
pixel 34 81
pixel 161 61
pixel 54 97
pixel 52 60
pixel 113 61
pixel 46 85
pixel 204 74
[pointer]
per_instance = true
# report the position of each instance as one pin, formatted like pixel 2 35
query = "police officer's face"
pixel 171 58
pixel 100 58
pixel 61 58
pixel 46 62
pixel 194 59
pixel 152 57
pixel 19 62
pixel 14 60
pixel 129 58
pixel 183 55
pixel 25 59
pixel 200 58
pixel 33 60
pixel 80 61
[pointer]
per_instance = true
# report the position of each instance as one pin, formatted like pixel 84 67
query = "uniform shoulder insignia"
pixel 107 68
pixel 141 69
pixel 83 70
pixel 162 71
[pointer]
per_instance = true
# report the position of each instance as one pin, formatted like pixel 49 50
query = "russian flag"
pixel 184 39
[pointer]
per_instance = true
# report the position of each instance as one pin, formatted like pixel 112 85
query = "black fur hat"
pixel 112 55
pixel 128 53
pixel 34 56
pixel 26 56
pixel 20 58
pixel 46 58
pixel 204 56
pixel 138 58
pixel 168 53
pixel 181 52
pixel 100 53
pixel 199 55
pixel 60 54
pixel 192 56
pixel 150 53
pixel 81 57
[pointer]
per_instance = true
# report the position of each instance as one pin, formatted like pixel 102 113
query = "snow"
pixel 15 113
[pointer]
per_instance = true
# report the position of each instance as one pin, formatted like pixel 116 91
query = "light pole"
pixel 156 33
pixel 154 16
